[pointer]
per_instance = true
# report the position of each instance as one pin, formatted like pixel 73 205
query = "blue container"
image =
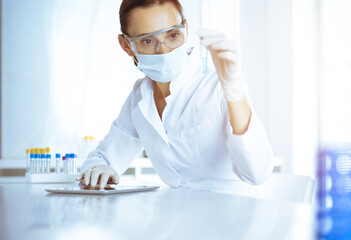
pixel 334 193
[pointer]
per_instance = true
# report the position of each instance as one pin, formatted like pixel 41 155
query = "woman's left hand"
pixel 226 58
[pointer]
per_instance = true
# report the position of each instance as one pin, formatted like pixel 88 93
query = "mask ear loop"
pixel 133 50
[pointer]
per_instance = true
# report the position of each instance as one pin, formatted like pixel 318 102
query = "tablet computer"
pixel 104 191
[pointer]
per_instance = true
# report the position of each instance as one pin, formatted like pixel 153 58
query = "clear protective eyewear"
pixel 172 38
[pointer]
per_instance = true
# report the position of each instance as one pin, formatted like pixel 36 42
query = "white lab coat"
pixel 193 146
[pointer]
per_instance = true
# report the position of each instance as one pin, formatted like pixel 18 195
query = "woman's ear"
pixel 187 32
pixel 125 45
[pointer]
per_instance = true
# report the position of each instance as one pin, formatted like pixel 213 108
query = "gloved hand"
pixel 226 58
pixel 100 175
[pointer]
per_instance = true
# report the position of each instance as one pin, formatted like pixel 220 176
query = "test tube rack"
pixel 51 178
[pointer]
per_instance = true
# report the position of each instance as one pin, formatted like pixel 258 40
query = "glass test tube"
pixel 73 163
pixel 42 161
pixel 48 160
pixel 68 160
pixel 33 166
pixel 28 160
pixel 48 163
pixel 32 162
pixel 65 167
pixel 37 160
pixel 58 167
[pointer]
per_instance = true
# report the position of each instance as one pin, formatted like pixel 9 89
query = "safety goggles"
pixel 149 43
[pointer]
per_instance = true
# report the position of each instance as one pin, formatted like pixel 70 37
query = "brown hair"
pixel 128 5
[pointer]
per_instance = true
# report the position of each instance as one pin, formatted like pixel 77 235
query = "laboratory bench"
pixel 27 211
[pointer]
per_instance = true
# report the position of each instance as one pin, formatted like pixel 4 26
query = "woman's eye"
pixel 146 42
pixel 174 36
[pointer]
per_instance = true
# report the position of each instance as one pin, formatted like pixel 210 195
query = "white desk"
pixel 28 212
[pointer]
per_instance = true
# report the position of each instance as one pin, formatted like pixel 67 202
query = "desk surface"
pixel 28 212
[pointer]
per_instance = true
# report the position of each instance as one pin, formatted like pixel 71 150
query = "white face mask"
pixel 163 67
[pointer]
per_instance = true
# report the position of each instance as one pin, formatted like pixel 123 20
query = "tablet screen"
pixel 97 190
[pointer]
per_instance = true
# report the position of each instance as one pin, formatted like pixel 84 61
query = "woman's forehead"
pixel 152 19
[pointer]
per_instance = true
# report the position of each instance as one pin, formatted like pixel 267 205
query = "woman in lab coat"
pixel 198 129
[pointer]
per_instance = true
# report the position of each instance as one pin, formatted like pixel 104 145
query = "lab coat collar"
pixel 148 108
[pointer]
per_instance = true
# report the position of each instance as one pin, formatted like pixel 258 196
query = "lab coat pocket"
pixel 197 130
pixel 191 137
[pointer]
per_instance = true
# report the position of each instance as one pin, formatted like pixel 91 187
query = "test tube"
pixel 204 24
pixel 37 160
pixel 48 160
pixel 32 162
pixel 34 167
pixel 27 160
pixel 68 160
pixel 48 163
pixel 42 160
pixel 70 163
pixel 65 165
pixel 58 167
pixel 75 163
pixel 73 159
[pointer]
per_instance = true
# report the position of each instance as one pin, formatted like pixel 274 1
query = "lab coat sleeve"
pixel 251 153
pixel 120 146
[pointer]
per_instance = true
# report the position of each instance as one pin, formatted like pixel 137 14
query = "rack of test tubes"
pixel 39 162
